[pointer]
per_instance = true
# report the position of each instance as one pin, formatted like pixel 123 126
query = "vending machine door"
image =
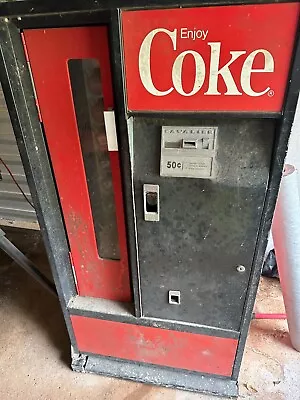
pixel 199 194
pixel 72 77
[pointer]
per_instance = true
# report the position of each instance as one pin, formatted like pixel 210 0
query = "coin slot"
pixel 174 297
pixel 189 144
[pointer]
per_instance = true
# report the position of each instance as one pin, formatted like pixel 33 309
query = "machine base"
pixel 155 375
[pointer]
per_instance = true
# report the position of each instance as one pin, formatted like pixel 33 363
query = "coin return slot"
pixel 174 297
pixel 151 202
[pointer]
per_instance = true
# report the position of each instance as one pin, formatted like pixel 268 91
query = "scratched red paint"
pixel 202 353
pixel 49 51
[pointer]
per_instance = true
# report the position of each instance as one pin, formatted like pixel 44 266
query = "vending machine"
pixel 153 137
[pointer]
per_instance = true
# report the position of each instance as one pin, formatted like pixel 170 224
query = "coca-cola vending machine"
pixel 153 137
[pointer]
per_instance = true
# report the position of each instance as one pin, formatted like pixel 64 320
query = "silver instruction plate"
pixel 188 151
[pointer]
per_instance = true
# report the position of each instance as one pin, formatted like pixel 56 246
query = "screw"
pixel 19 18
pixel 240 268
pixel 5 19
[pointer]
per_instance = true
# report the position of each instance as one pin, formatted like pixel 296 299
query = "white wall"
pixel 293 154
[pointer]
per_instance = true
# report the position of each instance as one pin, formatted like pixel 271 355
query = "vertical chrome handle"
pixel 151 202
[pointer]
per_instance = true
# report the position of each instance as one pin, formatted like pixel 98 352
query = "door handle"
pixel 151 202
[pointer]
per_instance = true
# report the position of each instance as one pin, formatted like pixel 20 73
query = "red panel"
pixel 49 51
pixel 209 34
pixel 202 353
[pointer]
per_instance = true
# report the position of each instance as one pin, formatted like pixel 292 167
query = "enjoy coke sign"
pixel 229 58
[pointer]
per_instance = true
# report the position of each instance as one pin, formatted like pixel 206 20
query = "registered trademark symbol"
pixel 271 93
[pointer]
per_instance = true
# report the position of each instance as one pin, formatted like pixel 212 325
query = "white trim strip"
pixel 111 132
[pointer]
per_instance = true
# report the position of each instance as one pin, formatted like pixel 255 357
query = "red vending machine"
pixel 153 137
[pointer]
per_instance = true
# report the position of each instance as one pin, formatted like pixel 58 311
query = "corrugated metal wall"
pixel 13 206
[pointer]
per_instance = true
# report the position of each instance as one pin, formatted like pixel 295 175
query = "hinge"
pixel 31 77
pixel 73 269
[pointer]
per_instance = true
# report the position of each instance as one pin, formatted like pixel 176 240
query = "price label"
pixel 174 165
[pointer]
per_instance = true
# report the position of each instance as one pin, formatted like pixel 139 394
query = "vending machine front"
pixel 153 138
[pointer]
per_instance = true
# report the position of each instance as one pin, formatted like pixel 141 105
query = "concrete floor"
pixel 34 348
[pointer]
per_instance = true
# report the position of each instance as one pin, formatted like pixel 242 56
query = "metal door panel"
pixel 207 227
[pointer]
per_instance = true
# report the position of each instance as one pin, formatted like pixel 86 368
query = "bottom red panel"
pixel 194 352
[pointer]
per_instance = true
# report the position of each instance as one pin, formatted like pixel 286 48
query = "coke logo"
pixel 210 70
pixel 208 59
